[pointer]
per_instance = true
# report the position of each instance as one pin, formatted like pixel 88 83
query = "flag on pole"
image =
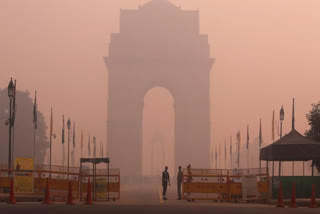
pixel 102 149
pixel 51 123
pixel 35 111
pixel 239 141
pixel 239 146
pixel 230 145
pixel 273 126
pixel 219 155
pixel 89 150
pixel 74 135
pixel 94 147
pixel 293 118
pixel 216 156
pixel 14 104
pixel 62 140
pixel 225 149
pixel 260 134
pixel 248 137
pixel 81 139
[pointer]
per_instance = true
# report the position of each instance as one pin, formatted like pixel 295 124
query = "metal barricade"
pixel 226 185
pixel 205 184
pixel 105 186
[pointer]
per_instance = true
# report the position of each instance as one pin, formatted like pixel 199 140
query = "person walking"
pixel 165 182
pixel 179 182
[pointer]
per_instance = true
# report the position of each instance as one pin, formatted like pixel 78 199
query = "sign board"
pixel 237 172
pixel 23 176
pixel 85 170
pixel 101 187
pixel 249 187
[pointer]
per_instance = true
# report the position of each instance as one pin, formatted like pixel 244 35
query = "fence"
pixel 59 181
pixel 303 186
pixel 105 186
pixel 226 185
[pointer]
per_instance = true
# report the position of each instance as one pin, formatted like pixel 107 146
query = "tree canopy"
pixel 24 128
pixel 313 133
pixel 313 118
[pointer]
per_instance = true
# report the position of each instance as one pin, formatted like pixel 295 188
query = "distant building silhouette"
pixel 159 45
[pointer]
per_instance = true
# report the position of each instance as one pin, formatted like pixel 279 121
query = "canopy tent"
pixel 291 147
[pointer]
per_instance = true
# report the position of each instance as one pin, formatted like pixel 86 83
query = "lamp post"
pixel 281 121
pixel 11 96
pixel 69 128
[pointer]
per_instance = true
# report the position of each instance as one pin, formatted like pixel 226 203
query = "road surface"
pixel 147 200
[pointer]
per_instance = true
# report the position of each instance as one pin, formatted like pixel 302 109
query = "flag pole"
pixel 50 143
pixel 260 143
pixel 248 138
pixel 13 119
pixel 35 121
pixel 81 142
pixel 63 141
pixel 231 151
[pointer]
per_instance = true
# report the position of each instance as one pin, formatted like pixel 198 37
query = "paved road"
pixel 146 199
pixel 149 209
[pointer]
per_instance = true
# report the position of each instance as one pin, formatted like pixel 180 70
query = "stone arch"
pixel 158 145
pixel 150 51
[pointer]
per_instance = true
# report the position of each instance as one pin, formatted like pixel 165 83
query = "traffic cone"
pixel 293 196
pixel 12 199
pixel 70 199
pixel 47 196
pixel 280 198
pixel 89 198
pixel 313 197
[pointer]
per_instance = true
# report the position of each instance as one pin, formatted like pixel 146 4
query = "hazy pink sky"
pixel 266 51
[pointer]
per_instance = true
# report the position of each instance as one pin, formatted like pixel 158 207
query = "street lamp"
pixel 11 89
pixel 11 96
pixel 69 128
pixel 281 120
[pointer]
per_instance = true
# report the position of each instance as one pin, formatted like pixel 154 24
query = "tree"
pixel 313 118
pixel 313 133
pixel 23 137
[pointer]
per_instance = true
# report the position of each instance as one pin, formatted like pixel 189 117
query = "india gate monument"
pixel 158 45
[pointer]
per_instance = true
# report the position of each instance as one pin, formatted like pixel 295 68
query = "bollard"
pixel 293 196
pixel 280 198
pixel 313 203
pixel 89 198
pixel 70 199
pixel 47 196
pixel 12 199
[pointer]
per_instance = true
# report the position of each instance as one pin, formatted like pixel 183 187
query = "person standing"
pixel 165 182
pixel 179 182
pixel 189 178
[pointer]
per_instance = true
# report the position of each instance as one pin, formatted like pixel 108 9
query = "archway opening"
pixel 158 147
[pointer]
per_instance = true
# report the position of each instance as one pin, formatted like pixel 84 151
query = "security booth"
pixel 105 182
pixel 292 148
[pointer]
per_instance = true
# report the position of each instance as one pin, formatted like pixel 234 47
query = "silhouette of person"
pixel 189 177
pixel 18 166
pixel 165 182
pixel 179 182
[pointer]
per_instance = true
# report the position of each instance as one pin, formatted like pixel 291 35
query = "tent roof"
pixel 291 147
pixel 294 137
